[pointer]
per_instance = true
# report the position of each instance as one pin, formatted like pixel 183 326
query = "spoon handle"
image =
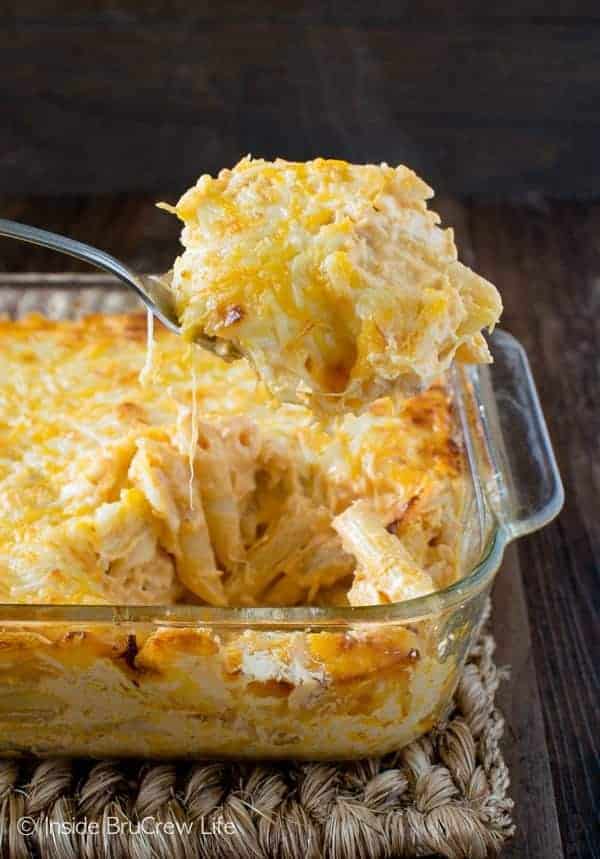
pixel 79 250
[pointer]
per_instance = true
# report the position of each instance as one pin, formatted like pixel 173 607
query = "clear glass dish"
pixel 302 682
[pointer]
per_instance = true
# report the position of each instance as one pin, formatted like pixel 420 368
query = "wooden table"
pixel 545 258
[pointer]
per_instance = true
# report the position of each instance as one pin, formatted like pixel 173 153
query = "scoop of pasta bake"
pixel 334 279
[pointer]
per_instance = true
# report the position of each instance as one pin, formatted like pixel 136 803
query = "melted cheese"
pixel 146 371
pixel 194 428
pixel 334 279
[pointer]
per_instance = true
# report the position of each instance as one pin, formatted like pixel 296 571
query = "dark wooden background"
pixel 120 95
pixel 105 107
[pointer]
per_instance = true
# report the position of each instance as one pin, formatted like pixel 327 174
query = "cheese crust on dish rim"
pixel 334 279
pixel 110 492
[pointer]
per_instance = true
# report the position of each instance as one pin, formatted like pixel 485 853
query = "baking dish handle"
pixel 528 485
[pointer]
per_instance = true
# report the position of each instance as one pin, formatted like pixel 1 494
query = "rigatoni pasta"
pixel 385 571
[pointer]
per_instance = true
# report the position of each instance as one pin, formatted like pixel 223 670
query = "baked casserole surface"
pixel 195 485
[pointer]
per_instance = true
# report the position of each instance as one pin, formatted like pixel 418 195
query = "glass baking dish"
pixel 302 682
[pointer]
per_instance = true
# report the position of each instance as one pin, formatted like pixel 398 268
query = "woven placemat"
pixel 444 795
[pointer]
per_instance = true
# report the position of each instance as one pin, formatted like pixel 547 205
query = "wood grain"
pixel 525 746
pixel 546 261
pixel 117 96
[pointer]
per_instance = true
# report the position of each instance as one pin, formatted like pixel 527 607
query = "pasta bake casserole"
pixel 153 473
pixel 196 486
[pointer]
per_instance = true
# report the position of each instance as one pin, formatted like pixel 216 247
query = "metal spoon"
pixel 152 290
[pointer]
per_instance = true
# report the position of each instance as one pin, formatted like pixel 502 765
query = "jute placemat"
pixel 444 795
